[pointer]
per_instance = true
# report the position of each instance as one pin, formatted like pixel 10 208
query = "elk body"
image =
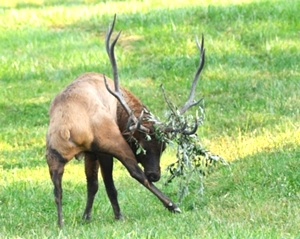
pixel 89 119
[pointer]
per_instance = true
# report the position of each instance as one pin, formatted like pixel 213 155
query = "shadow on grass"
pixel 211 21
pixel 22 115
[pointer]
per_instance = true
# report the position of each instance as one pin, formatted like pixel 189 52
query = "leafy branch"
pixel 192 157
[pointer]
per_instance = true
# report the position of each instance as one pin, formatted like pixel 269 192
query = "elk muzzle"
pixel 153 175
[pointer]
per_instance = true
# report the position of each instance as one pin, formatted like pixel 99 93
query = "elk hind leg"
pixel 106 163
pixel 91 171
pixel 56 164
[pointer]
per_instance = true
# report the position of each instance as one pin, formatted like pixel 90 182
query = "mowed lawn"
pixel 250 84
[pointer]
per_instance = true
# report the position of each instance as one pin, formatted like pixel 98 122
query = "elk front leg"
pixel 116 146
pixel 56 166
pixel 91 171
pixel 106 164
pixel 137 173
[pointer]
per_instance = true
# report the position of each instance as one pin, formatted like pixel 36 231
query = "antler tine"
pixel 111 55
pixel 119 96
pixel 190 102
pixel 193 131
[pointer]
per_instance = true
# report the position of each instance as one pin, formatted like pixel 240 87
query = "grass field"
pixel 251 87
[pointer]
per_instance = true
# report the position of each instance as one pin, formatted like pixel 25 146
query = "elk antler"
pixel 117 93
pixel 190 102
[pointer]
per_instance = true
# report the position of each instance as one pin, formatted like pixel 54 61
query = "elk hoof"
pixel 86 217
pixel 173 208
pixel 119 217
pixel 177 210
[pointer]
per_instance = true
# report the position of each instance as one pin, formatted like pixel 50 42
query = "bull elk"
pixel 89 119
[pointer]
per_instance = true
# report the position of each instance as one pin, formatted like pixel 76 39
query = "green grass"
pixel 250 83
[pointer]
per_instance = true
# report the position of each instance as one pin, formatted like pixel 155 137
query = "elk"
pixel 89 119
